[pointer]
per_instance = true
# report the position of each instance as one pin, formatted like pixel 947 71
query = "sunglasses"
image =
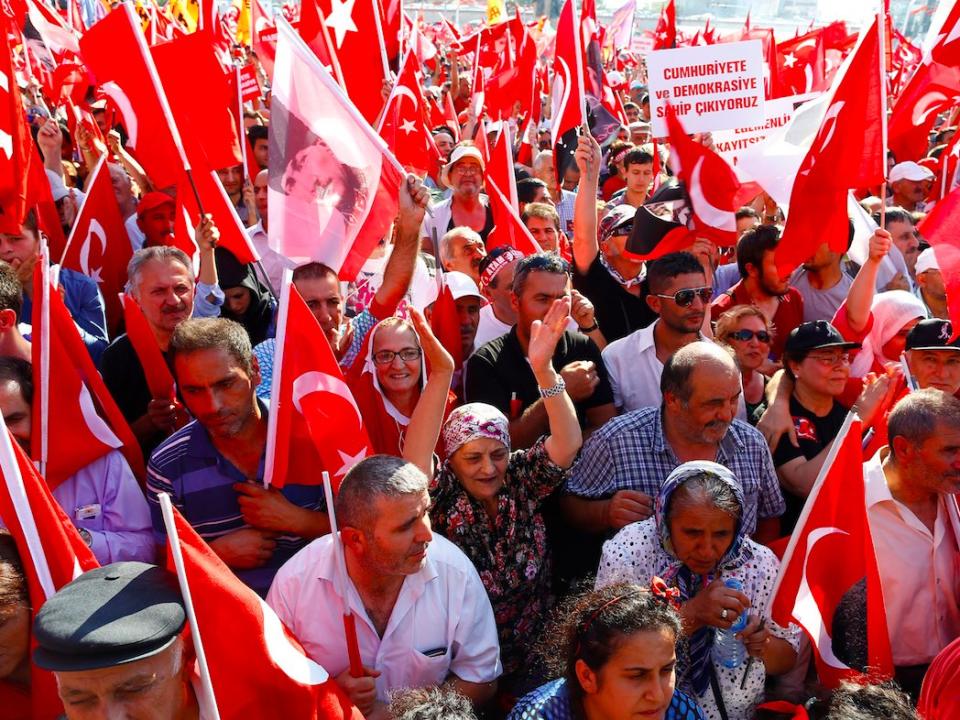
pixel 747 335
pixel 385 357
pixel 685 297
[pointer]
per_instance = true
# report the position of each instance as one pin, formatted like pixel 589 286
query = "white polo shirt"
pixel 442 621
pixel 490 327
pixel 919 570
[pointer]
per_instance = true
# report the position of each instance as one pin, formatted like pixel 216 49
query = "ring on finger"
pixel 723 614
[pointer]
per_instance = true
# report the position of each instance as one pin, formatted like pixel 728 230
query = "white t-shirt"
pixel 490 327
pixel 442 621
pixel 360 293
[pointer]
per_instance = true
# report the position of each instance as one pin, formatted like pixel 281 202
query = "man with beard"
pixel 822 282
pixel 466 207
pixel 423 616
pixel 213 466
pixel 908 184
pixel 623 464
pixel 760 285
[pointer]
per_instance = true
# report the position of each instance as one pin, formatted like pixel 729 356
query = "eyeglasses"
pixel 832 359
pixel 747 335
pixel 385 357
pixel 685 297
pixel 468 169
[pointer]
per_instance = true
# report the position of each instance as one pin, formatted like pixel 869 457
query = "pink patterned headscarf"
pixel 473 421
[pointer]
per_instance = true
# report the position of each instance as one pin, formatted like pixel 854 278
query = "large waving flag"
pixel 333 188
pixel 830 565
pixel 314 422
pixel 314 32
pixel 16 144
pixel 155 369
pixel 568 90
pixel 665 34
pixel 255 668
pixel 51 550
pixel 941 228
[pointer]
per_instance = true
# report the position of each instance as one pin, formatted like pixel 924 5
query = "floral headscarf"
pixel 472 421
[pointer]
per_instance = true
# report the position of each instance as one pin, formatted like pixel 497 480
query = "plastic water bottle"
pixel 727 649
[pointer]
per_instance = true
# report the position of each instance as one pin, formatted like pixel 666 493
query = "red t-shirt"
pixel 611 185
pixel 788 316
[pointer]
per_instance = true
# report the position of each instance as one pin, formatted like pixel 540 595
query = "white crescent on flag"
pixel 708 214
pixel 120 99
pixel 95 423
pixel 316 381
pixel 94 230
pixel 297 666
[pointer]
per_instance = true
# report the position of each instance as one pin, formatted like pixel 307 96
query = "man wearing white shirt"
pixel 496 282
pixel 273 262
pixel 910 491
pixel 423 617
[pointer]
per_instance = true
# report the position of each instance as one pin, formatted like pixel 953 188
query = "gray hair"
pixel 679 367
pixel 458 232
pixel 377 476
pixel 918 415
pixel 213 334
pixel 430 703
pixel 160 253
pixel 707 488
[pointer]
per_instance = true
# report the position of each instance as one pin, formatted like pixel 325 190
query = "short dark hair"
pixel 527 189
pixel 257 132
pixel 852 701
pixel 892 215
pixel 11 291
pixel 753 244
pixel 198 334
pixel 746 212
pixel 629 105
pixel 313 271
pixel 637 156
pixel 19 371
pixel 547 262
pixel 664 269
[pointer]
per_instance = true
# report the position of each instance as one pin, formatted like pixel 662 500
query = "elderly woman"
pixel 600 639
pixel 487 499
pixel 746 331
pixel 695 542
pixel 14 633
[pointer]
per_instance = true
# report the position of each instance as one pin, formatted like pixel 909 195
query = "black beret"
pixel 112 615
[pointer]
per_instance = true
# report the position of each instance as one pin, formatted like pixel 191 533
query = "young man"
pixel 823 283
pixel 543 222
pixel 638 166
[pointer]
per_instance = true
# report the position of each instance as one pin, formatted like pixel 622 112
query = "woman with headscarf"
pixel 695 542
pixel 487 499
pixel 246 300
pixel 14 633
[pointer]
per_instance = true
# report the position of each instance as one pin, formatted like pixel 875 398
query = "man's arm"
pixel 860 296
pixel 585 246
pixel 399 270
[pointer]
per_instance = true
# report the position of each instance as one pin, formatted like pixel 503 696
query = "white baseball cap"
pixel 909 170
pixel 461 285
pixel 926 260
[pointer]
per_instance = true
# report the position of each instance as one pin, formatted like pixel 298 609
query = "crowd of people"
pixel 575 510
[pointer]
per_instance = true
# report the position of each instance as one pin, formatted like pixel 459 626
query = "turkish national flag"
pixel 16 145
pixel 445 323
pixel 508 228
pixel 51 550
pixel 833 164
pixel 159 378
pixel 941 228
pixel 99 245
pixel 264 37
pixel 315 423
pixel 333 188
pixel 257 668
pixel 829 556
pixel 68 430
pixel 567 100
pixel 499 167
pixel 801 65
pixel 314 32
pixel 665 34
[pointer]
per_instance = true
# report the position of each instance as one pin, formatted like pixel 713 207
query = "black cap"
pixel 933 334
pixel 116 614
pixel 814 335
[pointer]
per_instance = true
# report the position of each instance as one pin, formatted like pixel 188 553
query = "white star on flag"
pixel 408 126
pixel 349 461
pixel 789 60
pixel 96 276
pixel 340 20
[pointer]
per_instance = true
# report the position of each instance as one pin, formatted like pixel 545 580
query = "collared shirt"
pixel 273 262
pixel 200 483
pixel 631 452
pixel 441 622
pixel 565 209
pixel 104 499
pixel 789 312
pixel 919 570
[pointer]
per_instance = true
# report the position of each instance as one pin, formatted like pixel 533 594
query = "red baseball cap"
pixel 153 200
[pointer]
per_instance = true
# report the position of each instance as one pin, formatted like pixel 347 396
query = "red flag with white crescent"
pixel 568 91
pixel 941 228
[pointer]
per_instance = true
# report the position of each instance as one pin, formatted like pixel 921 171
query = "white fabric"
pixel 444 605
pixel 360 292
pixel 137 238
pixel 918 570
pixel 891 311
pixel 273 262
pixel 435 226
pixel 490 327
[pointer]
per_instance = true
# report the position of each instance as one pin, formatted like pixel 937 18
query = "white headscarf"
pixel 891 311
pixel 369 366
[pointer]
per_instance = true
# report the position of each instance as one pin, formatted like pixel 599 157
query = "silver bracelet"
pixel 557 389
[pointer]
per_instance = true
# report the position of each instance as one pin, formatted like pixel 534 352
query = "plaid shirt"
pixel 631 453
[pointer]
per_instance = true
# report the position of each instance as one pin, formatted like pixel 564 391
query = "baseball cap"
pixel 926 260
pixel 461 285
pixel 815 335
pixel 909 170
pixel 152 200
pixel 932 334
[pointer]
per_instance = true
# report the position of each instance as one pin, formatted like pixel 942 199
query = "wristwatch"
pixel 87 537
pixel 557 389
pixel 585 330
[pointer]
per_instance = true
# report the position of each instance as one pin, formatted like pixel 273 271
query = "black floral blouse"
pixel 511 553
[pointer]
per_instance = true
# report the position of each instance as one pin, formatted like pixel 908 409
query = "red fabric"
pixel 568 91
pixel 264 34
pixel 611 185
pixel 788 316
pixel 15 701
pixel 801 65
pixel 508 229
pixel 159 378
pixel 940 695
pixel 515 83
pixel 832 553
pixel 250 654
pixel 314 33
pixel 833 165
pixel 941 228
pixel 499 168
pixel 15 131
pixel 216 202
pixel 665 34
pixel 99 245
pixel 445 323
pixel 59 554
pixel 317 422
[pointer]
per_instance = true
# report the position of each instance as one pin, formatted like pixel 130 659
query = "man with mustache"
pixel 911 487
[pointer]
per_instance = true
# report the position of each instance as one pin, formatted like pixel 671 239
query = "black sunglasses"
pixel 685 297
pixel 745 335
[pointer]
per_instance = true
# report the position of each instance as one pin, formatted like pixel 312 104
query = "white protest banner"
pixel 712 87
pixel 731 143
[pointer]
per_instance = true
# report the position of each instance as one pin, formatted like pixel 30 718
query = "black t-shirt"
pixel 814 434
pixel 500 368
pixel 618 312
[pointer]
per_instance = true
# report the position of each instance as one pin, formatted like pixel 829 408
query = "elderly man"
pixel 908 182
pixel 911 488
pixel 623 464
pixel 160 279
pixel 933 359
pixel 467 206
pixel 423 616
pixel 213 466
pixel 462 250
pixel 114 640
pixel 930 286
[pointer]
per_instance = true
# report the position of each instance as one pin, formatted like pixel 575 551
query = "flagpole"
pixel 383 47
pixel 349 621
pixel 277 377
pixel 243 136
pixel 332 51
pixel 206 697
pixel 44 358
pixel 578 42
pixel 882 43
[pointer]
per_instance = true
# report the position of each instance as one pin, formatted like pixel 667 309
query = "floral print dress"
pixel 510 552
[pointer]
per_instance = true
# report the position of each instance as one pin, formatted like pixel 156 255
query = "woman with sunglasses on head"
pixel 746 330
pixel 613 651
